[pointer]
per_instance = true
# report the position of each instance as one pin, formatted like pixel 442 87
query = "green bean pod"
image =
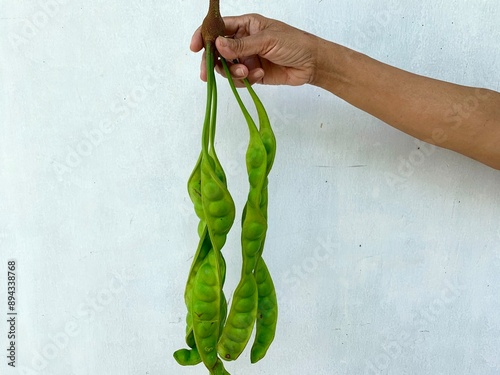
pixel 239 324
pixel 186 357
pixel 265 129
pixel 182 354
pixel 254 224
pixel 253 232
pixel 219 369
pixel 194 189
pixel 240 321
pixel 196 181
pixel 204 247
pixel 218 204
pixel 205 305
pixel 267 312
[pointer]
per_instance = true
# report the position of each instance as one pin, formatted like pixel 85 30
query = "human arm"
pixel 459 118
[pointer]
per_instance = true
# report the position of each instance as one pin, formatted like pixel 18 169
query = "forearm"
pixel 463 119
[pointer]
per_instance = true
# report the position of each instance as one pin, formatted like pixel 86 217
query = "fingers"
pixel 203 67
pixel 236 26
pixel 196 41
pixel 247 46
pixel 249 43
pixel 248 24
pixel 240 72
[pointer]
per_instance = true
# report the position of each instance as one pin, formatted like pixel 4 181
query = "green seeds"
pixel 212 192
pixel 219 208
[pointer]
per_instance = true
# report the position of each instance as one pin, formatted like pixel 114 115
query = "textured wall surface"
pixel 386 257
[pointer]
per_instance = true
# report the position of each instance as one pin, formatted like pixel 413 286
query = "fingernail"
pixel 240 72
pixel 259 74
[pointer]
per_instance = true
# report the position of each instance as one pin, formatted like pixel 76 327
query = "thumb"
pixel 232 49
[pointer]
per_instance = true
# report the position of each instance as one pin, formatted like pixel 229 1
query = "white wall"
pixel 386 258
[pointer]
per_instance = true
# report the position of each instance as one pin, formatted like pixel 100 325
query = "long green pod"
pixel 201 253
pixel 195 193
pixel 243 312
pixel 219 171
pixel 265 129
pixel 194 189
pixel 269 141
pixel 186 357
pixel 240 321
pixel 219 212
pixel 254 224
pixel 205 305
pixel 190 340
pixel 219 369
pixel 218 205
pixel 207 301
pixel 267 312
pixel 242 315
pixel 204 247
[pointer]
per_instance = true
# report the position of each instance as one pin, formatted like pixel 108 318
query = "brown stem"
pixel 213 25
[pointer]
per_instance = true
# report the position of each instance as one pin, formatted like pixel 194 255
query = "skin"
pixel 463 119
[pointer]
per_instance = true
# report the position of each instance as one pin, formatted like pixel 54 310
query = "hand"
pixel 268 51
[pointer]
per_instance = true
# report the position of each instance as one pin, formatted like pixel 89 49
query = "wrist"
pixel 331 62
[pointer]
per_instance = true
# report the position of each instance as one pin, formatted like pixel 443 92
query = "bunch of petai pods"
pixel 212 332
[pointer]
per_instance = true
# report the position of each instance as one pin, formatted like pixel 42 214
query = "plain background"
pixel 385 252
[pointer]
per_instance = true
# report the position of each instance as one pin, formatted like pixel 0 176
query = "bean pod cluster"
pixel 214 332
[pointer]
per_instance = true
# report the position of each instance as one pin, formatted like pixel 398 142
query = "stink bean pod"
pixel 205 305
pixel 267 312
pixel 265 130
pixel 219 369
pixel 194 189
pixel 201 254
pixel 210 330
pixel 204 247
pixel 218 204
pixel 253 232
pixel 186 357
pixel 240 321
pixel 254 224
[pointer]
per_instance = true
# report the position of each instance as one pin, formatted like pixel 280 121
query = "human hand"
pixel 268 51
